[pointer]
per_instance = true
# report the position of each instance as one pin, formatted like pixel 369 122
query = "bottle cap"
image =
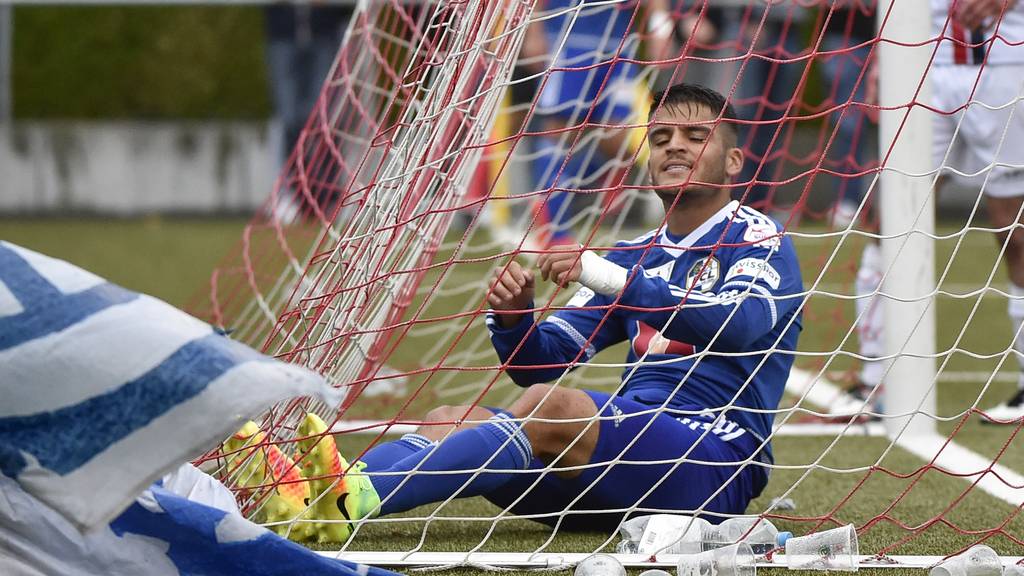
pixel 781 538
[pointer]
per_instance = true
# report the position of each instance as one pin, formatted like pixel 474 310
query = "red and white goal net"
pixel 430 160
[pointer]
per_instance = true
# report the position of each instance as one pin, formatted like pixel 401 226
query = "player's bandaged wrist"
pixel 600 275
pixel 659 23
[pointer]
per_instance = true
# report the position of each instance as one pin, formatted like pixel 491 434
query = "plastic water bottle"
pixel 673 534
pixel 626 547
pixel 600 565
pixel 679 534
pixel 758 532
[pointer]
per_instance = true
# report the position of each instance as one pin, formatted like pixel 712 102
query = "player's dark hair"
pixel 694 94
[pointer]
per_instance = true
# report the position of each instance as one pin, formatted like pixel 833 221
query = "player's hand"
pixel 974 14
pixel 512 289
pixel 701 30
pixel 560 265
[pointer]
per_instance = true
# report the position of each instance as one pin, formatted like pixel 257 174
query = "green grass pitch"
pixel 171 258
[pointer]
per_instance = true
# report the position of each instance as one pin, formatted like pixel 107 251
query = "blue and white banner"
pixel 161 534
pixel 102 392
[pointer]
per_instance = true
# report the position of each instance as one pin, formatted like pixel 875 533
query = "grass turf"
pixel 890 496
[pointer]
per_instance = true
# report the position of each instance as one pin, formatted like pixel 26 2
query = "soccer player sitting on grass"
pixel 710 303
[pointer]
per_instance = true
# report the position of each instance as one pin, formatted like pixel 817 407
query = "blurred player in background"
pixel 765 90
pixel 847 36
pixel 981 147
pixel 587 39
pixel 302 41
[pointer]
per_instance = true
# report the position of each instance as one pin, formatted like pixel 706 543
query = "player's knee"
pixel 543 405
pixel 1015 243
pixel 555 419
pixel 545 402
pixel 440 414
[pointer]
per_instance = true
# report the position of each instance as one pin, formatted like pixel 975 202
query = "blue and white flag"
pixel 161 534
pixel 102 392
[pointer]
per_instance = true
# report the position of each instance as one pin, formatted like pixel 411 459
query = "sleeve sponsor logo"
pixel 757 269
pixel 762 235
pixel 580 298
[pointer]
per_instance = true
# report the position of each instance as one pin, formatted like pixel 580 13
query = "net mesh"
pixel 442 146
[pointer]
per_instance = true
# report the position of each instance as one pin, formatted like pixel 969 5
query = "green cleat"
pixel 336 498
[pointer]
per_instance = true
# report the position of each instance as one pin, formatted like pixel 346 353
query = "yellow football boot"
pixel 256 464
pixel 336 497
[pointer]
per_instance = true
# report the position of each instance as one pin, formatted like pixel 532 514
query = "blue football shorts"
pixel 645 462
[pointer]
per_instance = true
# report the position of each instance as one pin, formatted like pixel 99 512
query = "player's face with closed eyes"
pixel 688 149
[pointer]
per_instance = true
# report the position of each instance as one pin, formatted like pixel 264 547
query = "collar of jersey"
pixel 676 249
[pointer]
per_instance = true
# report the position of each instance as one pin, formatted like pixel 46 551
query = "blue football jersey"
pixel 713 319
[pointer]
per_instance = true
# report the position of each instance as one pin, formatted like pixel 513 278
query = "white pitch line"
pixel 1001 482
pixel 820 391
pixel 952 458
pixel 951 287
pixel 979 376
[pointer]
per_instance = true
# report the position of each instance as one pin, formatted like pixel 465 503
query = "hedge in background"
pixel 139 62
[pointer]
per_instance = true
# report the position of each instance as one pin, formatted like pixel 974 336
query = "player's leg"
pixel 869 325
pixel 477 459
pixel 765 92
pixel 471 461
pixel 438 424
pixel 1003 213
pixel 946 152
pixel 664 472
pixel 559 423
pixel 868 308
pixel 993 131
pixel 554 166
pixel 842 75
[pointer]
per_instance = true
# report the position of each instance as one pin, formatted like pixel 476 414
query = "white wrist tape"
pixel 600 275
pixel 659 23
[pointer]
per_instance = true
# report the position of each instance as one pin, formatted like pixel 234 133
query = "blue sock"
pixel 467 450
pixel 385 454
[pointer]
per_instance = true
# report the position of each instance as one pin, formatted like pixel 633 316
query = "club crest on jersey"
pixel 703 274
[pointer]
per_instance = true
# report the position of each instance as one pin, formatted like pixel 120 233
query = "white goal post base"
pixel 556 561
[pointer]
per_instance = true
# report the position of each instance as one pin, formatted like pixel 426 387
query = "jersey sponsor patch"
pixel 650 341
pixel 762 235
pixel 755 268
pixel 581 297
pixel 703 275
